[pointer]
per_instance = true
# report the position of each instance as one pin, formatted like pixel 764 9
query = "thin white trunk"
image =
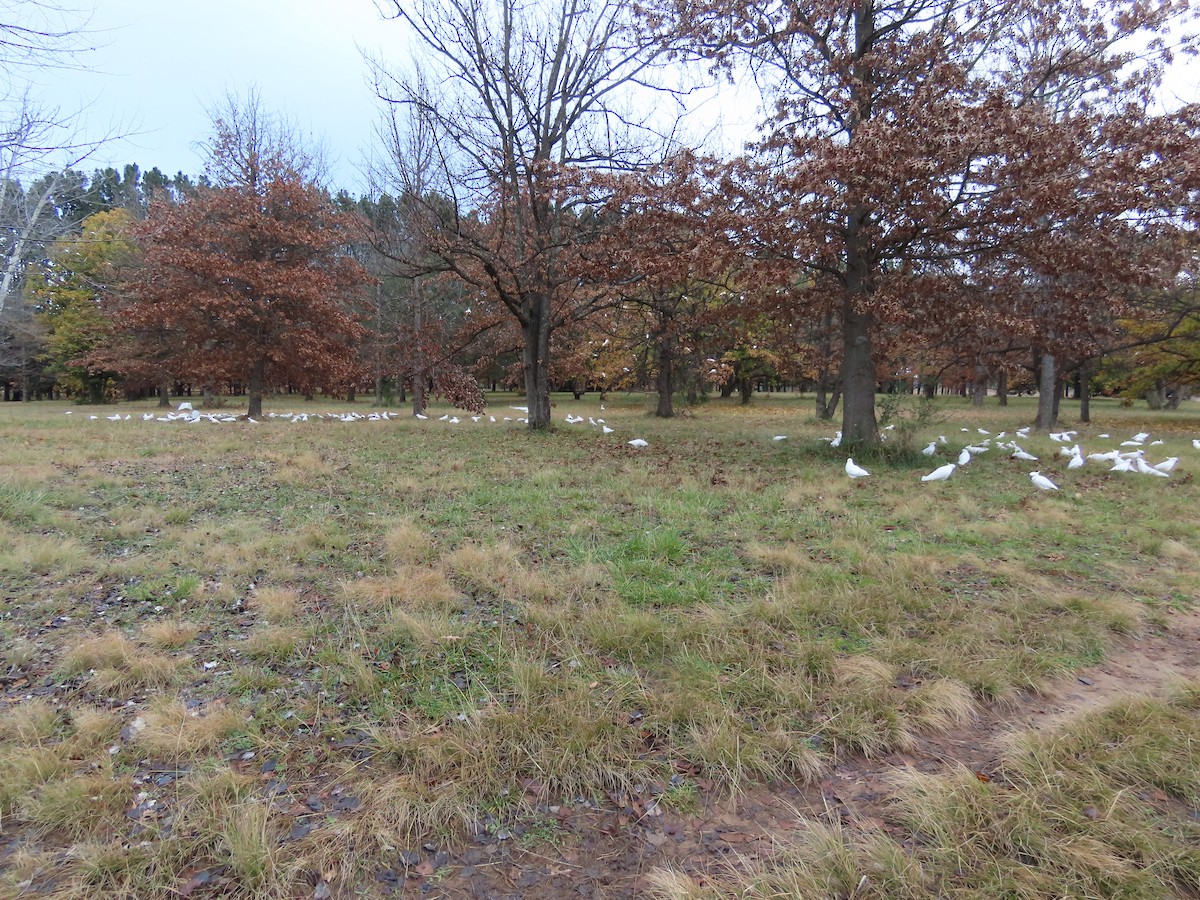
pixel 16 256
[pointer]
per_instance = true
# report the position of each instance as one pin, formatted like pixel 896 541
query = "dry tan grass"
pixel 171 731
pixel 407 544
pixel 779 559
pixel 94 730
pixel 274 644
pixel 60 557
pixel 410 586
pixel 277 605
pixel 485 568
pixel 28 723
pixel 305 467
pixel 738 760
pixel 139 670
pixel 83 806
pixel 170 634
pixel 424 629
pixel 940 705
pixel 1179 552
pixel 248 842
pixel 25 770
pixel 19 653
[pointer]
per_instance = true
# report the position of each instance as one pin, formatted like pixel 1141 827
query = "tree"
pixel 918 167
pixel 39 144
pixel 525 91
pixel 68 295
pixel 251 276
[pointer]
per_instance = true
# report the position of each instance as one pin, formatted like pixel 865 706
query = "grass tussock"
pixel 409 587
pixel 29 723
pixel 171 731
pixel 77 807
pixel 56 557
pixel 117 665
pixel 170 634
pixel 276 605
pixel 486 569
pixel 275 643
pixel 407 544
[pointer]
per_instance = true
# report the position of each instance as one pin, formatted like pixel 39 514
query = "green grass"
pixel 429 617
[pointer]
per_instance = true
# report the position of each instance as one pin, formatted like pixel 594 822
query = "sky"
pixel 159 66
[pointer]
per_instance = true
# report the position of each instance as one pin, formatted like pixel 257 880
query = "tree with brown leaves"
pixel 514 94
pixel 251 276
pixel 930 163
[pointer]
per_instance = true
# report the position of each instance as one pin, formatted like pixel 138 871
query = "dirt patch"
pixel 606 854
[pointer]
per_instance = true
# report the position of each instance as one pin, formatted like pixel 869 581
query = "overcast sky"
pixel 160 65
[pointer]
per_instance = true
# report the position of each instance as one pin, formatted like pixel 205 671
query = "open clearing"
pixel 373 658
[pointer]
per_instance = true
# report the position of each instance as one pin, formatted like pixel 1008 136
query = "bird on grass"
pixel 931 449
pixel 1042 482
pixel 638 442
pixel 1022 455
pixel 854 470
pixel 941 473
pixel 964 457
pixel 1146 469
pixel 1167 465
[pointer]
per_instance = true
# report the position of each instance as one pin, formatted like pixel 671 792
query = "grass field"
pixel 286 659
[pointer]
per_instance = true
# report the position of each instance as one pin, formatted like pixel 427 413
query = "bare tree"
pixel 252 146
pixel 524 91
pixel 39 144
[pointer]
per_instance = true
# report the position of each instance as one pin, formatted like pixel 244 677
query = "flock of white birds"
pixel 1132 459
pixel 185 412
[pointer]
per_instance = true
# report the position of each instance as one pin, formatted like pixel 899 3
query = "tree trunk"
pixel 1002 387
pixel 1156 397
pixel 727 388
pixel 164 392
pixel 859 426
pixel 746 387
pixel 351 394
pixel 379 388
pixel 536 362
pixel 665 381
pixel 1085 392
pixel 979 389
pixel 420 393
pixel 1047 416
pixel 254 388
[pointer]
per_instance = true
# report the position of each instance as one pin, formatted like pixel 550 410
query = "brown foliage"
pixel 251 286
